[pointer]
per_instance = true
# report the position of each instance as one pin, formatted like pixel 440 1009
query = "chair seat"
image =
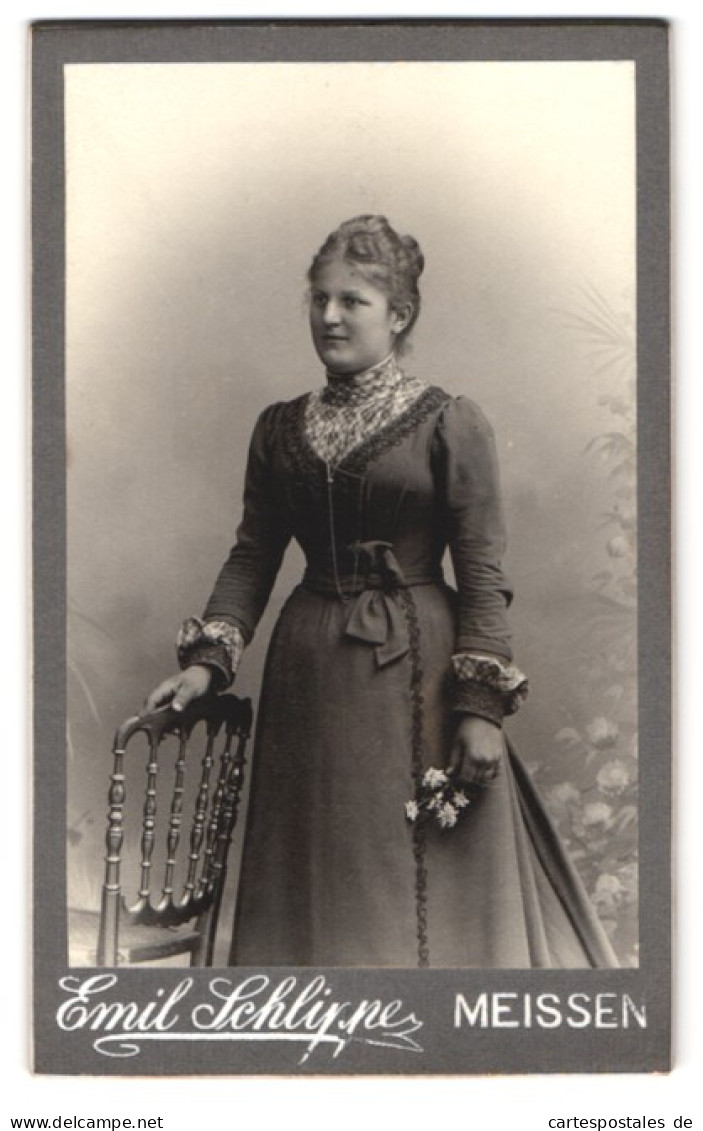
pixel 136 943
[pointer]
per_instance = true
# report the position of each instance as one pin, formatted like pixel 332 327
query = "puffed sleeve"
pixel 482 678
pixel 246 579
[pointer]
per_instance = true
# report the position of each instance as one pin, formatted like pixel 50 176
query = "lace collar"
pixel 360 388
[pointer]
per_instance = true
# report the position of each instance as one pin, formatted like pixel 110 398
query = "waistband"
pixel 375 567
pixel 351 586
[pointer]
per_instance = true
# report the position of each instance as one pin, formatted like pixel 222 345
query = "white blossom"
pixel 608 884
pixel 607 894
pixel 411 810
pixel 613 777
pixel 447 815
pixel 602 733
pixel 597 813
pixel 565 793
pixel 433 778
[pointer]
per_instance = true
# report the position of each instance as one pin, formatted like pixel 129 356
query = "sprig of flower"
pixel 441 798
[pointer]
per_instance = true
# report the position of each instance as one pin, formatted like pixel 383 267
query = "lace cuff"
pixel 486 686
pixel 214 643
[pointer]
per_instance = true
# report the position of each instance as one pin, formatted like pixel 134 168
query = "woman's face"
pixel 353 326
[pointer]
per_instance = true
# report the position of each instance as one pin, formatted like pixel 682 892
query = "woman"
pixel 360 849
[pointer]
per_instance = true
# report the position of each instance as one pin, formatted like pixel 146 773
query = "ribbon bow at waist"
pixel 376 616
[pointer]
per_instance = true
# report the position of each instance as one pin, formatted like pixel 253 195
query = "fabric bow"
pixel 376 616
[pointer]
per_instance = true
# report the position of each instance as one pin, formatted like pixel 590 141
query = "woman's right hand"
pixel 180 689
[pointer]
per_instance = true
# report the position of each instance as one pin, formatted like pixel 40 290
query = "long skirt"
pixel 334 874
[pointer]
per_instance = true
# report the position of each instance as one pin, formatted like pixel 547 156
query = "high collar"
pixel 343 389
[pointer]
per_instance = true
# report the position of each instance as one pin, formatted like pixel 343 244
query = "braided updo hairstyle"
pixel 389 261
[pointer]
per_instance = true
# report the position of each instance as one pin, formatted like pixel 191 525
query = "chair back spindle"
pixel 197 833
pixel 109 916
pixel 174 822
pixel 149 821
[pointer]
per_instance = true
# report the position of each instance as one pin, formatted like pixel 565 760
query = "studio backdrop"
pixel 196 195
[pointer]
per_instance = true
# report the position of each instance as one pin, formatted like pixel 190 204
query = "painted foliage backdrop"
pixel 197 195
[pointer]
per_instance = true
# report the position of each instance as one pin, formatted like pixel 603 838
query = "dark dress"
pixel 355 705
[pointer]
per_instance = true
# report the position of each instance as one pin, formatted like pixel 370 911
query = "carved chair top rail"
pixel 217 710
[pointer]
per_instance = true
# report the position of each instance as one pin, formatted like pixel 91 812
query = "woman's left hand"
pixel 477 750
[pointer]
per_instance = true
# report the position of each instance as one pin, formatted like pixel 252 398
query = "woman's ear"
pixel 401 318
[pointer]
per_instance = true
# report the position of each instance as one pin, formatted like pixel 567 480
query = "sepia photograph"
pixel 361 422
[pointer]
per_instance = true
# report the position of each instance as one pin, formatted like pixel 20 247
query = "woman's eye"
pixel 350 301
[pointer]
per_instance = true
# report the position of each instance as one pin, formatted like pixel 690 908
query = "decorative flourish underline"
pixel 130 1046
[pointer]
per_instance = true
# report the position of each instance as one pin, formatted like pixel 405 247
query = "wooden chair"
pixel 173 922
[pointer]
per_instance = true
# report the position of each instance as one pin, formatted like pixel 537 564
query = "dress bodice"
pixel 425 481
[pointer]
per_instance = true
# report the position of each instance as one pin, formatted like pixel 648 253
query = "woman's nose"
pixel 330 313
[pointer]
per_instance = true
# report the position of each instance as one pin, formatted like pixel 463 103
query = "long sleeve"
pixel 466 468
pixel 483 680
pixel 245 581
